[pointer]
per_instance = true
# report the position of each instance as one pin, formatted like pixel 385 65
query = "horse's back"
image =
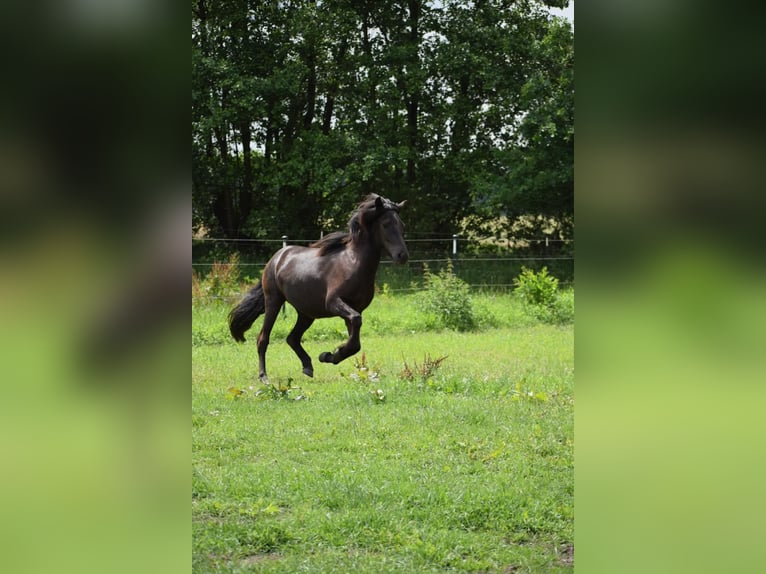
pixel 300 274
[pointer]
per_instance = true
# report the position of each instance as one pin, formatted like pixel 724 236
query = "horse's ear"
pixel 379 204
pixel 401 204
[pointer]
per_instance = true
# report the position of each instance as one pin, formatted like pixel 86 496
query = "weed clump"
pixel 363 373
pixel 268 391
pixel 421 371
pixel 448 299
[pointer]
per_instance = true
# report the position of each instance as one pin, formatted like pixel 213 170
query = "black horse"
pixel 334 277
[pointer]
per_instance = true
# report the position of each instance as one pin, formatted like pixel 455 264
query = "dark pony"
pixel 334 277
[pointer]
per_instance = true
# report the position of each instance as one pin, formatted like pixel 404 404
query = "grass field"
pixel 377 468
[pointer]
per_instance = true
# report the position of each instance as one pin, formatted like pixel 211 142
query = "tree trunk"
pixel 413 99
pixel 224 208
pixel 246 191
pixel 332 88
pixel 459 139
pixel 311 88
pixel 372 96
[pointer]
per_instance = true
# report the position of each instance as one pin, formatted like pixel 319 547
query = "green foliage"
pixel 542 299
pixel 564 309
pixel 222 281
pixel 536 288
pixel 448 299
pixel 215 334
pixel 396 314
pixel 329 101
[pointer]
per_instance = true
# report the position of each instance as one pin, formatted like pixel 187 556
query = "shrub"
pixel 448 298
pixel 536 289
pixel 196 287
pixel 224 277
pixel 221 281
pixel 564 309
pixel 539 292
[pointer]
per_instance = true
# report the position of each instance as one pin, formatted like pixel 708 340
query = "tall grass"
pixel 400 314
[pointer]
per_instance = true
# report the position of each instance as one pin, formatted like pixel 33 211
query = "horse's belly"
pixel 359 301
pixel 307 297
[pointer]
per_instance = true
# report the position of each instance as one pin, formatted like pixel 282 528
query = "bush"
pixel 448 298
pixel 537 289
pixel 540 294
pixel 221 282
pixel 564 310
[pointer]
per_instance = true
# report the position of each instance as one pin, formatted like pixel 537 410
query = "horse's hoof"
pixel 264 379
pixel 325 357
pixel 308 372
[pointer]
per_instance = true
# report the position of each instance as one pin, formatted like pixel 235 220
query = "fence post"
pixel 454 250
pixel 284 241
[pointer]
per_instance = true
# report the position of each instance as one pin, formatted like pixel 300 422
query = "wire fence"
pixel 484 263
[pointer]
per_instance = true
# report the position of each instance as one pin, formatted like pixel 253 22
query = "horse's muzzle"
pixel 401 258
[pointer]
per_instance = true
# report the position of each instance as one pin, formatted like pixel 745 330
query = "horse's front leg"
pixel 353 324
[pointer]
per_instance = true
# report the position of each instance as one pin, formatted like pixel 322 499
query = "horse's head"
pixel 390 228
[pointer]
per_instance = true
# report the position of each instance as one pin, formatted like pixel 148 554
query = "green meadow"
pixel 396 460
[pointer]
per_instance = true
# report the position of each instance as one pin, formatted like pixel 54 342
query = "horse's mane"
pixel 360 218
pixel 332 242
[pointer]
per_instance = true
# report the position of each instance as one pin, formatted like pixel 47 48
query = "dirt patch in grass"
pixel 259 558
pixel 566 555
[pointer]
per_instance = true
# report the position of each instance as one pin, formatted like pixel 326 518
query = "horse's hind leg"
pixel 294 340
pixel 273 304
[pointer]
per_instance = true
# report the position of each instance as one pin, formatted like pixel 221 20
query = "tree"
pixel 300 108
pixel 540 174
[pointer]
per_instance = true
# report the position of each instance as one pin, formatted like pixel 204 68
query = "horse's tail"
pixel 246 312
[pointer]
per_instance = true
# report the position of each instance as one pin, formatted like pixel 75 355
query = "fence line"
pixel 480 239
pixel 454 255
pixel 441 259
pixel 467 261
pixel 408 240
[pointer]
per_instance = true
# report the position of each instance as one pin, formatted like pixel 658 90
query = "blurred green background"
pixel 670 320
pixel 671 309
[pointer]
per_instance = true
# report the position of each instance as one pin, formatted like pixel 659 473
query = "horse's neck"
pixel 368 255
